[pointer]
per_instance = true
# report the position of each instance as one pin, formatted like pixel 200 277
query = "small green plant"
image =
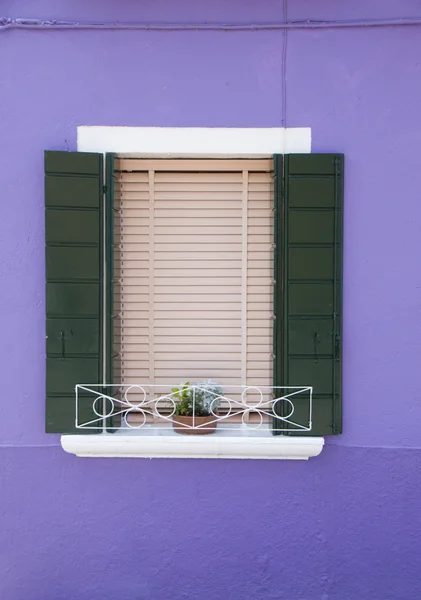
pixel 185 396
pixel 202 397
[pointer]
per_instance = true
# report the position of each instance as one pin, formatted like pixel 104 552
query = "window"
pixel 307 225
pixel 193 276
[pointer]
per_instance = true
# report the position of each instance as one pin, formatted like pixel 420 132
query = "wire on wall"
pixel 284 65
pixel 21 23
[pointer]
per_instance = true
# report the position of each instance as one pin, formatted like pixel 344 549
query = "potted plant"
pixel 196 406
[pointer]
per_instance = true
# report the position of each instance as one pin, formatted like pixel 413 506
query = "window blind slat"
pixel 214 165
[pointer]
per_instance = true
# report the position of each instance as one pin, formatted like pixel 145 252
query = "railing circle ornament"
pixel 141 389
pixel 249 389
pixel 277 411
pixel 101 413
pixel 133 411
pixel 215 404
pixel 246 419
pixel 165 399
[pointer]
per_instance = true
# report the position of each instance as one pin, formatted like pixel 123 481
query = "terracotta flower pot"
pixel 186 422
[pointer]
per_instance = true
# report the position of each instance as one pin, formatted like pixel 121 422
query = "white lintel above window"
pixel 195 141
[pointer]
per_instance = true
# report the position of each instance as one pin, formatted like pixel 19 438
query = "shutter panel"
pixel 74 235
pixel 308 270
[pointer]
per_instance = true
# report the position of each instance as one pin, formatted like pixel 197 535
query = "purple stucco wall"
pixel 343 526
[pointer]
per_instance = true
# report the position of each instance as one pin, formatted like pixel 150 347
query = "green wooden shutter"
pixel 74 232
pixel 308 273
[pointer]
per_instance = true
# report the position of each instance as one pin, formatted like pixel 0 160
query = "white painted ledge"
pixel 183 446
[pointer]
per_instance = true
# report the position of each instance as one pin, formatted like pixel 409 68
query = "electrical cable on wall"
pixel 21 23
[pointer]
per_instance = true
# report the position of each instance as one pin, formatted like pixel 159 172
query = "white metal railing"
pixel 151 406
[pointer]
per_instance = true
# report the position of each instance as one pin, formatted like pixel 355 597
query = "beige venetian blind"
pixel 193 262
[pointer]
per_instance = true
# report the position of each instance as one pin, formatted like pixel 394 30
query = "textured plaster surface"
pixel 343 526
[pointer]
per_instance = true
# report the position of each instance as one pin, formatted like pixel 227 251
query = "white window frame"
pixel 192 142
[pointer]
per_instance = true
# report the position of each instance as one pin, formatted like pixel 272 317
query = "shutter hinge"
pixel 337 347
pixel 316 342
pixel 335 429
pixel 104 189
pixel 63 344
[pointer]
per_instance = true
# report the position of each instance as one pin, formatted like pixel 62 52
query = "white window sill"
pixel 192 446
